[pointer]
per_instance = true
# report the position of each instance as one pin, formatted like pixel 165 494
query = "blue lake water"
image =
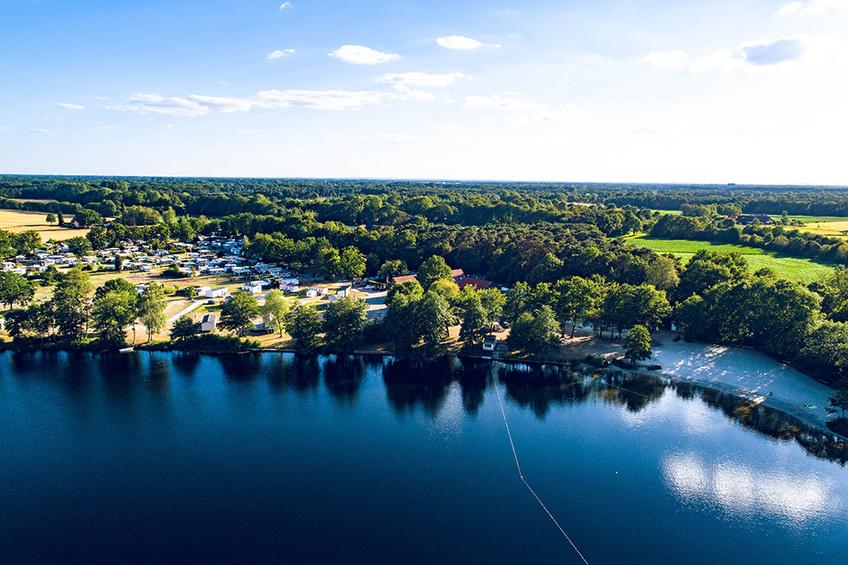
pixel 164 457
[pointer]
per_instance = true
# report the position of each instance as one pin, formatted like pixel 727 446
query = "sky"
pixel 718 91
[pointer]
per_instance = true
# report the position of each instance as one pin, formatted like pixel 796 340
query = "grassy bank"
pixel 792 268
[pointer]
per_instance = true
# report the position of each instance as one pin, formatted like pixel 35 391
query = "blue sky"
pixel 747 91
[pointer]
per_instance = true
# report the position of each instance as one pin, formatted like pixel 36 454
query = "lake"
pixel 179 457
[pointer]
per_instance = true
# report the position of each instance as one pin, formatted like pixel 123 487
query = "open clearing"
pixel 792 268
pixel 18 221
pixel 832 226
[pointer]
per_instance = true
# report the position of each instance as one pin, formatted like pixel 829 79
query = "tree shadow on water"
pixel 185 362
pixel 410 384
pixel 343 376
pixel 540 387
pixel 473 377
pixel 241 367
pixel 292 372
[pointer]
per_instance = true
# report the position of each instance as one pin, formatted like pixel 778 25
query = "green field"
pixel 803 270
pixel 671 212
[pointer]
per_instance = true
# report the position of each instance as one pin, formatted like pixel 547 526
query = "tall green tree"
pixel 183 328
pixel 839 401
pixel 475 321
pixel 351 263
pixel 637 344
pixel 329 263
pixel 151 309
pixel 274 311
pixel 304 324
pixel 71 304
pixel 577 300
pixel 434 319
pixel 112 312
pixel 15 289
pixel 390 269
pixel 536 332
pixel 343 322
pixel 432 269
pixel 238 312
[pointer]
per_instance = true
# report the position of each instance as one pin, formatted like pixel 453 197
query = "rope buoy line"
pixel 521 473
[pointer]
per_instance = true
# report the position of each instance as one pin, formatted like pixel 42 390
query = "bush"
pixel 209 343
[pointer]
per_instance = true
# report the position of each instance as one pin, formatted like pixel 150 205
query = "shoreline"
pixel 793 409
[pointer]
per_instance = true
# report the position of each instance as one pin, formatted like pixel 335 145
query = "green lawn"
pixel 792 268
pixel 671 212
pixel 817 219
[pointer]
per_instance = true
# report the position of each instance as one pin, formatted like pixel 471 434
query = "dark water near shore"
pixel 160 457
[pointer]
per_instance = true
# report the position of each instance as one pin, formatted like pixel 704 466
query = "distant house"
pixel 478 283
pixel 455 273
pixel 344 291
pixel 209 323
pixel 316 291
pixel 403 278
pixel 254 287
pixel 290 285
pixel 490 343
pixel 748 219
pixel 207 292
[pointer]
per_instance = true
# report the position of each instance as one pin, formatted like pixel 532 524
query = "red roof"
pixel 403 279
pixel 479 284
pixel 457 274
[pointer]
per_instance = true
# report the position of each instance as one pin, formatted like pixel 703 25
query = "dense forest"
pixel 560 247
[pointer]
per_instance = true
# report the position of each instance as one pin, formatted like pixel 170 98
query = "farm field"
pixel 832 226
pixel 792 268
pixel 18 221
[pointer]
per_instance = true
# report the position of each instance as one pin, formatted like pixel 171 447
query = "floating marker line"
pixel 521 474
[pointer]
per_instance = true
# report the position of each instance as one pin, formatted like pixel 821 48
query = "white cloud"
pixel 746 57
pixel 285 5
pixel 674 59
pixel 222 104
pixel 43 131
pixel 196 105
pixel 68 106
pixel 151 103
pixel 810 7
pixel 772 52
pixel 320 99
pixel 362 55
pixel 422 80
pixel 279 54
pixel 410 84
pixel 498 102
pixel 722 60
pixel 462 43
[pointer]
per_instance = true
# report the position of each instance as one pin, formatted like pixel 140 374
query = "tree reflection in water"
pixel 242 366
pixel 416 383
pixel 185 362
pixel 343 376
pixel 411 385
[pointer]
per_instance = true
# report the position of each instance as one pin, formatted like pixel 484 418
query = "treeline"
pixel 774 200
pixel 76 310
pixel 779 239
pixel 501 252
pixel 371 202
pixel 720 300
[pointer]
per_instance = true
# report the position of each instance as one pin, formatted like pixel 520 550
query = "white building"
pixel 290 285
pixel 254 287
pixel 209 322
pixel 208 292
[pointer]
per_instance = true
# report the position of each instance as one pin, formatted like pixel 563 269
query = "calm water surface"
pixel 173 457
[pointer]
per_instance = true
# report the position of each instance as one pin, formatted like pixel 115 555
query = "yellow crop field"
pixel 829 227
pixel 18 221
